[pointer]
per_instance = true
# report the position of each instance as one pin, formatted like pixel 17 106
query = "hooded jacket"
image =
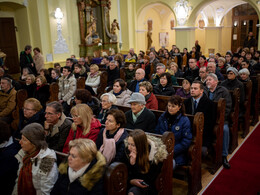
pixel 7 102
pixel 44 171
pixel 91 182
pixel 93 81
pixel 123 98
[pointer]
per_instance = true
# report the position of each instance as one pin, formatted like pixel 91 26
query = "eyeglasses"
pixel 27 109
pixel 104 101
pixel 231 73
pixel 202 72
pixel 75 116
pixel 49 113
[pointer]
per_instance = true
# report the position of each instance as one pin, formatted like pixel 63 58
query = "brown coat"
pixel 7 102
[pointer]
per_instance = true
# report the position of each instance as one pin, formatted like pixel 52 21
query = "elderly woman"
pixel 107 101
pixel 29 85
pixel 146 89
pixel 26 71
pixel 174 120
pixel 222 64
pixel 31 112
pixel 185 90
pixel 244 75
pixel 83 96
pixel 113 132
pixel 42 91
pixel 121 92
pixel 8 163
pixel 37 171
pixel 83 174
pixel 93 79
pixel 165 85
pixel 84 125
pixel 143 156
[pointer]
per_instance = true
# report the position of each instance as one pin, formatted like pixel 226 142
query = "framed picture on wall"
pixel 164 39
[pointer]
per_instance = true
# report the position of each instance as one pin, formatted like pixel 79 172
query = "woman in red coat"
pixel 84 125
pixel 146 89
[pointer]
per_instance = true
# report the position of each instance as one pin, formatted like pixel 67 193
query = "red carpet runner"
pixel 244 176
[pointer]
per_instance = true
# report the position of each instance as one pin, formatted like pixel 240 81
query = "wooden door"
pixel 8 44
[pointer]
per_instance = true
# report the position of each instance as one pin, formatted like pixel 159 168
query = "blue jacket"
pixel 181 129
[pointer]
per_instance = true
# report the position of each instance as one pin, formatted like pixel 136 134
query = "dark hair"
pixel 194 59
pixel 56 71
pixel 57 106
pixel 246 61
pixel 218 54
pixel 5 132
pixel 203 57
pixel 107 58
pixel 200 83
pixel 178 101
pixel 37 49
pixel 67 67
pixel 168 77
pixel 78 65
pixel 57 64
pixel 228 53
pixel 27 47
pixel 70 59
pixel 83 95
pixel 122 83
pixel 119 116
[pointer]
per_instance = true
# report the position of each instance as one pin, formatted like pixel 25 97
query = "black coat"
pixel 168 90
pixel 206 106
pixel 191 74
pixel 26 62
pixel 112 75
pixel 120 145
pixel 42 94
pixel 146 121
pixel 30 89
pixel 133 84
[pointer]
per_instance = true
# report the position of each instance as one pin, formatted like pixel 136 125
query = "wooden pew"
pixel 179 80
pixel 81 83
pixel 233 119
pixel 103 84
pixel 247 106
pixel 122 73
pixel 255 98
pixel 117 173
pixel 54 91
pixel 162 101
pixel 21 96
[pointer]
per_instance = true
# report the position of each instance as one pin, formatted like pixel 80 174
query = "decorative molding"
pixel 185 28
pixel 25 3
pixel 182 11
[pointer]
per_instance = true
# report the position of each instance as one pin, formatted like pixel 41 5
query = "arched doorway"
pixel 160 19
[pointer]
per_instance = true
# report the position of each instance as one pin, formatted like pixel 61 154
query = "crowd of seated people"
pixel 86 120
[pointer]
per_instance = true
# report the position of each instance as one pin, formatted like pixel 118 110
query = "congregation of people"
pixel 88 126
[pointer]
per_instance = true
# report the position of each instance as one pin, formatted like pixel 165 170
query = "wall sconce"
pixel 235 24
pixel 244 23
pixel 60 44
pixel 182 11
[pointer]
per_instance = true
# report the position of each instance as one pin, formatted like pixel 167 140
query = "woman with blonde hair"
pixel 174 70
pixel 144 158
pixel 93 79
pixel 84 125
pixel 83 174
pixel 29 85
pixel 42 91
pixel 31 112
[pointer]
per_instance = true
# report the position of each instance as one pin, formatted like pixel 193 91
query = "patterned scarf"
pixel 25 183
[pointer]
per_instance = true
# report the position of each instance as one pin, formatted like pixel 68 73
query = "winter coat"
pixel 120 146
pixel 30 89
pixel 191 74
pixel 112 75
pixel 39 62
pixel 181 129
pixel 26 61
pixel 36 118
pixel 93 81
pixel 92 134
pixel 157 154
pixel 44 171
pixel 82 73
pixel 132 85
pixel 156 80
pixel 123 98
pixel 8 166
pixel 102 116
pixel 42 94
pixel 90 183
pixel 183 94
pixel 67 88
pixel 168 90
pixel 129 75
pixel 146 121
pixel 7 102
pixel 151 102
pixel 58 134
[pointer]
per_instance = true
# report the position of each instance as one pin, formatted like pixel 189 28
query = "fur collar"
pixel 92 176
pixel 158 150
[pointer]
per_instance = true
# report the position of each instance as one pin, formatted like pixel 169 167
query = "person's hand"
pixel 132 156
pixel 136 182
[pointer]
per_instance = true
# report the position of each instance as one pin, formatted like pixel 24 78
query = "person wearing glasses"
pixel 56 126
pixel 139 77
pixel 31 112
pixel 84 125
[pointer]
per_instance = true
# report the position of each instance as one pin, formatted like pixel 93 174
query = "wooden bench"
pixel 103 84
pixel 162 101
pixel 122 73
pixel 233 119
pixel 21 96
pixel 81 83
pixel 255 98
pixel 54 92
pixel 117 174
pixel 179 80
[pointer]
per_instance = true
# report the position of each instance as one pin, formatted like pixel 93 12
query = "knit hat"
pixel 138 98
pixel 34 132
pixel 234 70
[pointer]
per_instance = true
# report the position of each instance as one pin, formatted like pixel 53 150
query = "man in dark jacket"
pixel 56 125
pixel 26 59
pixel 215 92
pixel 199 102
pixel 139 77
pixel 139 117
pixel 250 41
pixel 193 71
pixel 112 73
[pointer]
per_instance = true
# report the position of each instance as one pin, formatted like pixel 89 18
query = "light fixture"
pixel 235 23
pixel 244 23
pixel 258 2
pixel 182 10
pixel 60 44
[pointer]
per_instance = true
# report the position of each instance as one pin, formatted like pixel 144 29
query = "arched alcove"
pixel 161 16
